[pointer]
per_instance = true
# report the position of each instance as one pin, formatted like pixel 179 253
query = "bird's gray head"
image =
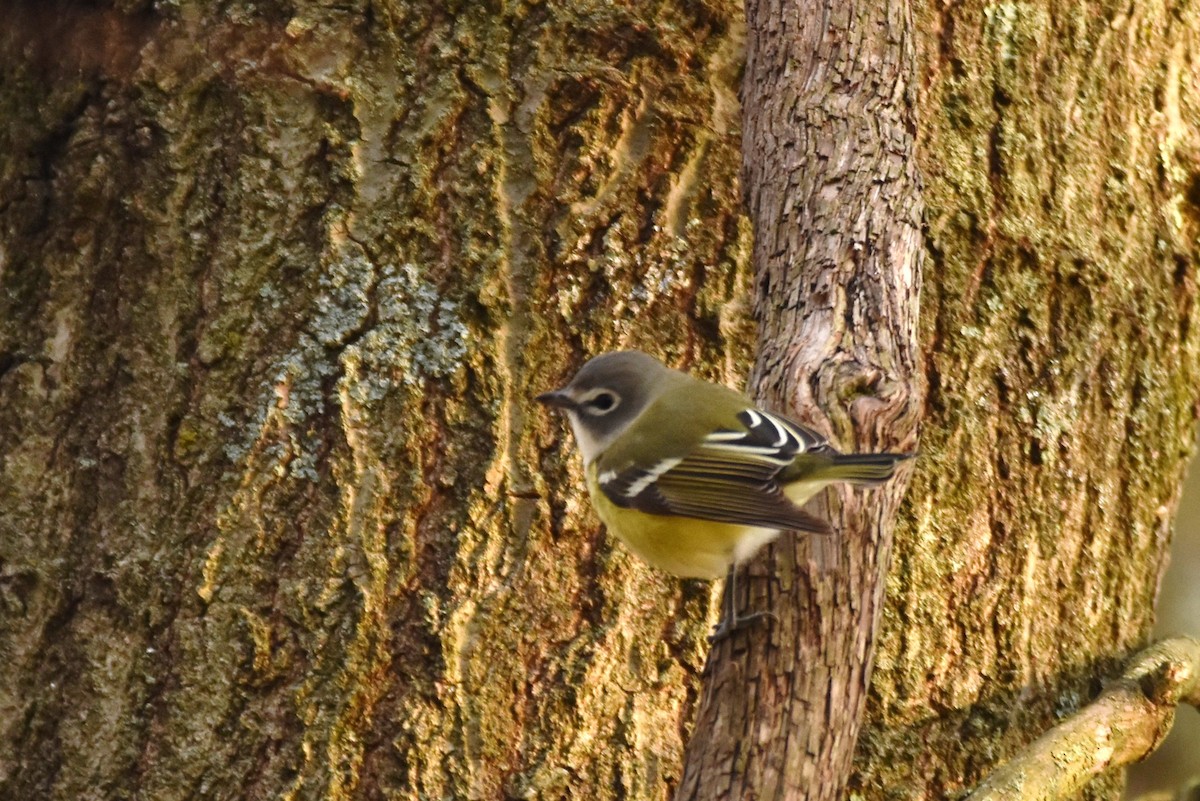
pixel 606 395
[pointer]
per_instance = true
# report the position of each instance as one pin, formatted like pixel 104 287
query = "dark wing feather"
pixel 732 476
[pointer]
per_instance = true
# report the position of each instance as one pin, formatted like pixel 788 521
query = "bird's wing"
pixel 731 476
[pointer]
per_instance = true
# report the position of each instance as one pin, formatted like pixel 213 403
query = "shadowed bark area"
pixel 278 282
pixel 1124 724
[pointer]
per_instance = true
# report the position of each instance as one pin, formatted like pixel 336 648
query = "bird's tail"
pixel 865 468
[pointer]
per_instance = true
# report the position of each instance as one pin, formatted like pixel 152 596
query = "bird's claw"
pixel 727 627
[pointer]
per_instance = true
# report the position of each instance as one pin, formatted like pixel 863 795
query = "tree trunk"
pixel 835 200
pixel 277 281
pixel 277 516
pixel 1061 165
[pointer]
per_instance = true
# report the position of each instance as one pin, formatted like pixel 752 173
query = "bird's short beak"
pixel 558 399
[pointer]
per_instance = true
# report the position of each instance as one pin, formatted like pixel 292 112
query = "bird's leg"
pixel 730 620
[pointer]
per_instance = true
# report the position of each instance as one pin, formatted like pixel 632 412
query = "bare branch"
pixel 1123 725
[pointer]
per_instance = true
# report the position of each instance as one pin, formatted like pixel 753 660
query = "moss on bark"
pixel 277 280
pixel 1062 356
pixel 278 284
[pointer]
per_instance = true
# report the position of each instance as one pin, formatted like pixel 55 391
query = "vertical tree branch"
pixel 833 193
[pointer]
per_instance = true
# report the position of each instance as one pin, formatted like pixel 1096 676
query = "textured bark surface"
pixel 1061 164
pixel 277 285
pixel 1127 722
pixel 832 191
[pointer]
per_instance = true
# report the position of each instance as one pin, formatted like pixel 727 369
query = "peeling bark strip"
pixel 1125 724
pixel 833 193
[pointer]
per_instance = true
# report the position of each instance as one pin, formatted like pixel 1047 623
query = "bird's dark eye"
pixel 603 402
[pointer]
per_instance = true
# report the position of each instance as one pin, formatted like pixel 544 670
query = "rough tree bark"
pixel 276 282
pixel 832 190
pixel 1061 164
pixel 1125 723
pixel 279 280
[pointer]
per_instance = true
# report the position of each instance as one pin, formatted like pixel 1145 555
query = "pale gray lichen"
pixel 293 391
pixel 343 302
pixel 418 334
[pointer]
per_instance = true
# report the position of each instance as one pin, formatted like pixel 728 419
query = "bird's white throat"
pixel 590 446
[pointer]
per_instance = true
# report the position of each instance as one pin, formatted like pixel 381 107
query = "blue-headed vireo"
pixel 691 475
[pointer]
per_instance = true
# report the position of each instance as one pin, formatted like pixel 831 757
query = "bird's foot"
pixel 727 627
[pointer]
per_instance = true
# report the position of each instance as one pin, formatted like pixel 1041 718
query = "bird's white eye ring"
pixel 602 402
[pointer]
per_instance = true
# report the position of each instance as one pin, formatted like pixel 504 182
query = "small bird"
pixel 691 475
